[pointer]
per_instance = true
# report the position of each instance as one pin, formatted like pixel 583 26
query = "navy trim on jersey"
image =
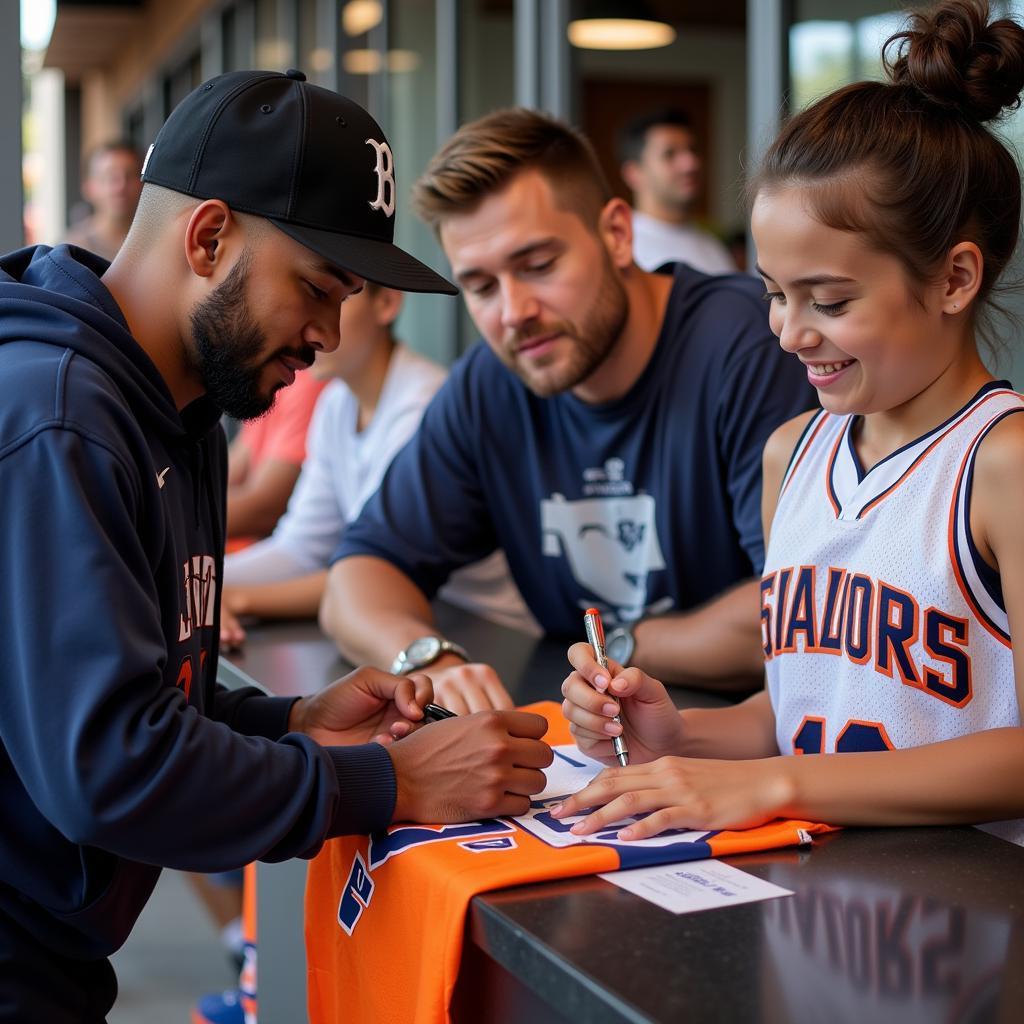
pixel 992 385
pixel 987 572
pixel 808 427
pixel 989 577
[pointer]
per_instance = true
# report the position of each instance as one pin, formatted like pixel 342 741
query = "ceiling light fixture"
pixel 618 26
pixel 359 16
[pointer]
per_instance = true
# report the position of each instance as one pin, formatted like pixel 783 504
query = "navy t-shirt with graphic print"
pixel 643 505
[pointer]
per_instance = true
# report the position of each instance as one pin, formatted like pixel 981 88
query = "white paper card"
pixel 697 885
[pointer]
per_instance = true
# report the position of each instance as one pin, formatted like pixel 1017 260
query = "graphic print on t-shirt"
pixel 609 540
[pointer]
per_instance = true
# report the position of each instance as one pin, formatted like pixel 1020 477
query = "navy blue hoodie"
pixel 119 753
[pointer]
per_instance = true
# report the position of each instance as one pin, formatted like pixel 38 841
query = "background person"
pixel 112 184
pixel 663 168
pixel 377 389
pixel 265 459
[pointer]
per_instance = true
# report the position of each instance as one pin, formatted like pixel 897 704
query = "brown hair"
pixel 910 163
pixel 482 157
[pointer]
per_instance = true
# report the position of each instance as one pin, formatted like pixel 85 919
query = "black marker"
pixel 436 713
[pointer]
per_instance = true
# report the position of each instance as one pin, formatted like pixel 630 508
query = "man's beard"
pixel 592 341
pixel 226 347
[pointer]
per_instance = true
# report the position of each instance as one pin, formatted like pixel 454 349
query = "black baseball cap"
pixel 310 161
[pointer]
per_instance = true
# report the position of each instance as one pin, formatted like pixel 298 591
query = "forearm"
pixel 372 610
pixel 715 647
pixel 297 598
pixel 967 780
pixel 743 732
pixel 255 505
pixel 251 513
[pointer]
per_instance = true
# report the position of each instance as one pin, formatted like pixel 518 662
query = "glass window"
pixel 827 53
pixel 410 122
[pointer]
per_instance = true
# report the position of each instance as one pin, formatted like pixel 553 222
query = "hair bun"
pixel 954 57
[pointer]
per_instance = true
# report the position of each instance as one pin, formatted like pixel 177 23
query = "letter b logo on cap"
pixel 385 171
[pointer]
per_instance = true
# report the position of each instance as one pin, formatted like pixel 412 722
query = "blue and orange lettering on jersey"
pixel 802 611
pixel 859 605
pixel 868 620
pixel 945 639
pixel 830 635
pixel 898 623
pixel 767 589
pixel 399 839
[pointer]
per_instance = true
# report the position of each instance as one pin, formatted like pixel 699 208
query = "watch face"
pixel 620 646
pixel 423 651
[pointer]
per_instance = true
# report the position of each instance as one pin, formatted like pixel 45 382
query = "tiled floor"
pixel 171 958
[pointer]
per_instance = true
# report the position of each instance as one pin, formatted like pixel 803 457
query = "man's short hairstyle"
pixel 633 137
pixel 482 157
pixel 111 146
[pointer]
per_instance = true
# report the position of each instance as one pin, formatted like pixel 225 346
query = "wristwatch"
pixel 620 644
pixel 423 652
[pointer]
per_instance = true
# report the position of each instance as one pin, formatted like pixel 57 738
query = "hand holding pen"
pixel 595 636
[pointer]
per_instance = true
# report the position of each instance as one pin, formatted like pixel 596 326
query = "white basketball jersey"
pixel 882 627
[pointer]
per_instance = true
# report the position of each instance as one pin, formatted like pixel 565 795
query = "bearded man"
pixel 606 433
pixel 266 202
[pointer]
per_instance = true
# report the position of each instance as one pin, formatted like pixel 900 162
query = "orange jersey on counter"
pixel 385 914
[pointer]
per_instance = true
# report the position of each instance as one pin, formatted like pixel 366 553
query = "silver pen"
pixel 595 637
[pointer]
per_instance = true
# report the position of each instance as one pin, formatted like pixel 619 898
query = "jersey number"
pixel 856 737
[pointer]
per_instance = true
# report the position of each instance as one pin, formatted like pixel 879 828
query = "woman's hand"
pixel 593 696
pixel 682 793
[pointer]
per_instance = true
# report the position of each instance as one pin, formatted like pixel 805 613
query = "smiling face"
pixel 539 283
pixel 871 339
pixel 276 308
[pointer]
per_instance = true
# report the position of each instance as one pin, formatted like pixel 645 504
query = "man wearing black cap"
pixel 266 202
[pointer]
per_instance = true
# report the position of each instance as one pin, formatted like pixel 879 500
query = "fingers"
pixel 581 657
pixel 466 689
pixel 629 804
pixel 530 753
pixel 602 789
pixel 525 781
pixel 232 636
pixel 411 693
pixel 524 724
pixel 452 698
pixel 587 708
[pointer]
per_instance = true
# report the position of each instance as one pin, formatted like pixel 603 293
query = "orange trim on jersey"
pixel 822 416
pixel 871 725
pixel 917 462
pixel 951 541
pixel 830 466
pixel 904 643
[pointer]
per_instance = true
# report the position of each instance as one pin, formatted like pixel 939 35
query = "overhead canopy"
pixel 88 33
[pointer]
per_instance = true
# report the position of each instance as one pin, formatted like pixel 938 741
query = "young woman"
pixel 894 577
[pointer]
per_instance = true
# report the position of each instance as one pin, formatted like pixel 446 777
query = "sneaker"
pixel 219 1008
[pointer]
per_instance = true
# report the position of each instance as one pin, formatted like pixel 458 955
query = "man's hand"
pixel 593 696
pixel 477 766
pixel 466 688
pixel 364 705
pixel 232 633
